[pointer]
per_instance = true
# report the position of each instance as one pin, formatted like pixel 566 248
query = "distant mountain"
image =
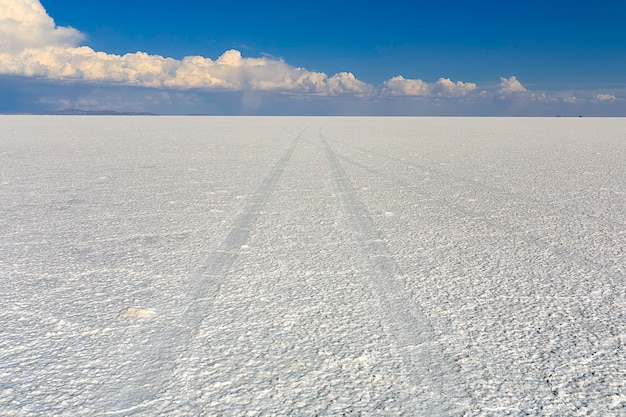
pixel 79 112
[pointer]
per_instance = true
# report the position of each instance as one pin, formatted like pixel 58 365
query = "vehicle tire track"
pixel 200 294
pixel 567 254
pixel 476 184
pixel 433 374
pixel 209 278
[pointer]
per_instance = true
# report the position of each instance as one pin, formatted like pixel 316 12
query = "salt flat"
pixel 191 266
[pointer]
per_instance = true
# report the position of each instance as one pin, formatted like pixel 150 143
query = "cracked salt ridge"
pixel 294 328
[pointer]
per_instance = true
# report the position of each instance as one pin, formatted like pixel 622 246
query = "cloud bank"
pixel 31 45
pixel 444 87
pixel 230 71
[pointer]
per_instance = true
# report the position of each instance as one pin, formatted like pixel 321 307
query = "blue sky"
pixel 341 57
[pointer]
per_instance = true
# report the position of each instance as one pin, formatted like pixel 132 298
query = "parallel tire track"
pixel 432 373
pixel 206 284
pixel 567 254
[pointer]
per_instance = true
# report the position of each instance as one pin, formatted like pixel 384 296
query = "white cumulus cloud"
pixel 400 86
pixel 25 24
pixel 230 71
pixel 510 85
pixel 444 87
pixel 347 82
pixel 605 97
pixel 32 45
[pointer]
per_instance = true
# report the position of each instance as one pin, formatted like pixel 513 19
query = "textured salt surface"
pixel 312 266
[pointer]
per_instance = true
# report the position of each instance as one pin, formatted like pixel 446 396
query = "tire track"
pixel 210 277
pixel 567 254
pixel 571 258
pixel 176 349
pixel 476 184
pixel 434 376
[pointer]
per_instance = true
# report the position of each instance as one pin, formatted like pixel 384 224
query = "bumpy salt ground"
pixel 312 266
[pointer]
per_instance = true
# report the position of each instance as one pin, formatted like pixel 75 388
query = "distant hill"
pixel 79 112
